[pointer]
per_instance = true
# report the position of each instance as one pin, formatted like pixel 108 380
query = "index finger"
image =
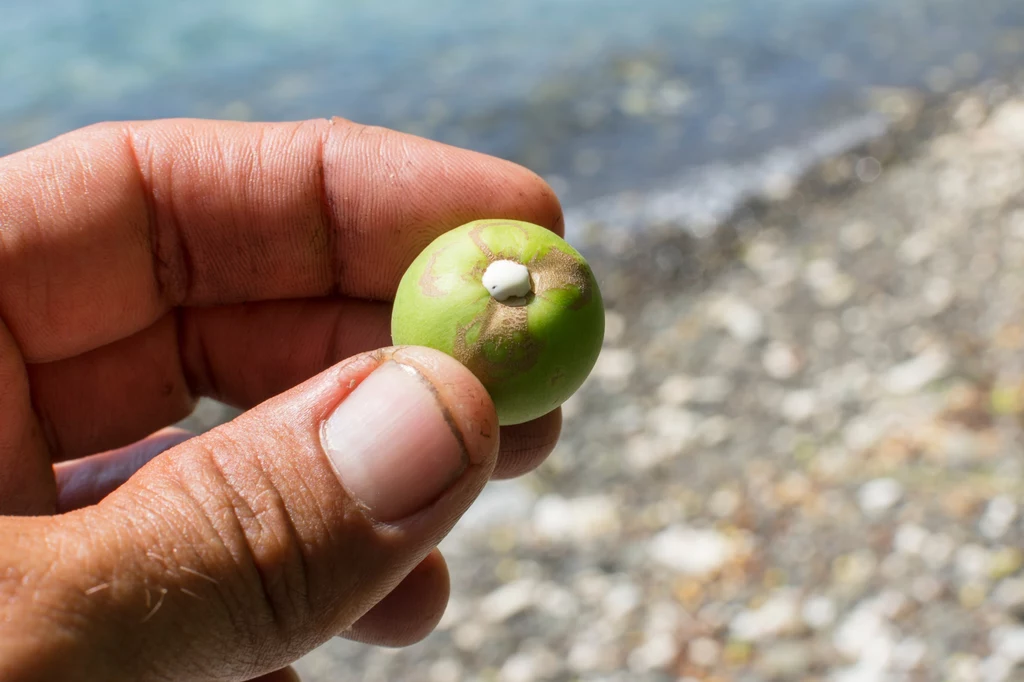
pixel 104 230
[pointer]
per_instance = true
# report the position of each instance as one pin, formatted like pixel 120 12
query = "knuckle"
pixel 248 531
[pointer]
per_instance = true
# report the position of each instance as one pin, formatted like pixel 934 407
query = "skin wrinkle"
pixel 202 525
pixel 295 591
pixel 231 507
pixel 172 265
pixel 298 477
pixel 239 608
pixel 327 210
pixel 256 525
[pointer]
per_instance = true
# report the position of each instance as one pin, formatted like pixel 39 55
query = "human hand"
pixel 144 265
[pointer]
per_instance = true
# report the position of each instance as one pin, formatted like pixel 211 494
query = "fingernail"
pixel 393 444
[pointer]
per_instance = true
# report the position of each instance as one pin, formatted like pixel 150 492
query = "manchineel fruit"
pixel 514 303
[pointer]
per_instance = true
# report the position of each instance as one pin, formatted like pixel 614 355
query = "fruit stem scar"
pixel 508 282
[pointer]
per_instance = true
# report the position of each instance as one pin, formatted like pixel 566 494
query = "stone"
pixel 704 652
pixel 910 539
pixel 798 406
pixel 916 373
pixel 780 361
pixel 614 366
pixel 779 615
pixel 1008 643
pixel 999 514
pixel 879 496
pixel 865 633
pixel 445 670
pixel 973 562
pixel 529 666
pixel 656 652
pixel 909 653
pixel 831 287
pixel 786 660
pixel 508 600
pixel 676 390
pixel 743 321
pixel 819 612
pixel 691 551
pixel 582 519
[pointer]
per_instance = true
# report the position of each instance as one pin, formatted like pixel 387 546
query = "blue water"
pixel 600 96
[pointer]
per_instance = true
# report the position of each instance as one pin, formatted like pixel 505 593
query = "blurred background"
pixel 800 454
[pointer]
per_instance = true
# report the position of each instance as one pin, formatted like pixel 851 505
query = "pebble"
pixel 937 550
pixel 831 287
pixel 676 425
pixel 779 615
pixel 724 503
pixel 1008 643
pixel 1009 594
pixel 614 366
pixel 856 235
pixel 780 361
pixel 880 495
pixel 999 514
pixel 973 562
pixel 711 390
pixel 704 652
pixel 529 666
pixel 916 373
pixel 582 519
pixel 621 600
pixel 508 600
pixel 909 654
pixel 742 320
pixel 445 670
pixel 786 660
pixel 910 539
pixel 798 406
pixel 656 652
pixel 819 612
pixel 917 247
pixel 691 551
pixel 676 390
pixel 865 633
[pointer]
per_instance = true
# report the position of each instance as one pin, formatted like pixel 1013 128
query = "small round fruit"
pixel 511 301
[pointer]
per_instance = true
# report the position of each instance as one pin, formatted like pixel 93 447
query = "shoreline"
pixel 915 119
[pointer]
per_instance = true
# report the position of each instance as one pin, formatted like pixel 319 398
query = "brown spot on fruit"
pixel 502 326
pixel 429 281
pixel 556 270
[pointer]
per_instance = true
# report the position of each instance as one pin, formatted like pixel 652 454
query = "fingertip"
pixel 411 611
pixel 524 447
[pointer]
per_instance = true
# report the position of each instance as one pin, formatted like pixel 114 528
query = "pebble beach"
pixel 803 461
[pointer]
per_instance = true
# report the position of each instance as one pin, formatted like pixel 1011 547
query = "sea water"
pixel 684 105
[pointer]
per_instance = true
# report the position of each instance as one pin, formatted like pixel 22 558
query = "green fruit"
pixel 531 350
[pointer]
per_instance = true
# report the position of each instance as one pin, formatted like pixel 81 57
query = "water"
pixel 686 103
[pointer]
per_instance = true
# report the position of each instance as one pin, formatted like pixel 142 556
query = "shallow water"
pixel 600 96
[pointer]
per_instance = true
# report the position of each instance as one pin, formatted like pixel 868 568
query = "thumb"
pixel 238 551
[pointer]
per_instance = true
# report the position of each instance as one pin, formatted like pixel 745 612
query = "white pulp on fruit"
pixel 506 279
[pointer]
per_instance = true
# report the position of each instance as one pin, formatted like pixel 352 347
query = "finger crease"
pixel 328 206
pixel 172 263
